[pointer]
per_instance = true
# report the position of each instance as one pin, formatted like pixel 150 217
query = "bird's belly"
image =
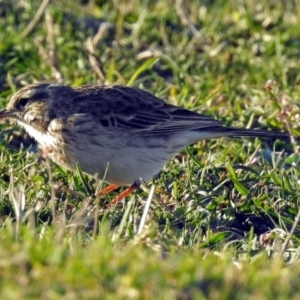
pixel 120 166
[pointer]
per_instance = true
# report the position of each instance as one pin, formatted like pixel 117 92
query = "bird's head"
pixel 28 103
pixel 35 104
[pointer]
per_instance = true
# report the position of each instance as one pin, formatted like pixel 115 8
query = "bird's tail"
pixel 238 132
pixel 223 131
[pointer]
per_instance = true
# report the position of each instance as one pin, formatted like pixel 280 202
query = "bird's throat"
pixel 38 132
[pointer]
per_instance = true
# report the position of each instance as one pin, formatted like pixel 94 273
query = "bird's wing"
pixel 135 110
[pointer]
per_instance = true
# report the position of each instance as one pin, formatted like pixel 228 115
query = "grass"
pixel 223 220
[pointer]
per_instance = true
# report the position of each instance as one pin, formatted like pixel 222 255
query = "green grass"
pixel 223 221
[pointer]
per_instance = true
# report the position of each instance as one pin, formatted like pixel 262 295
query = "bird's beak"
pixel 5 114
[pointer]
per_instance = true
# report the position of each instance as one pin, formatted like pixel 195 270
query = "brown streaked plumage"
pixel 127 132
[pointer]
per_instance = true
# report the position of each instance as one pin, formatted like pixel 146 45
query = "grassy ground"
pixel 223 221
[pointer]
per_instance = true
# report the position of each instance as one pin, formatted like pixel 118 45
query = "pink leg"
pixel 123 195
pixel 107 190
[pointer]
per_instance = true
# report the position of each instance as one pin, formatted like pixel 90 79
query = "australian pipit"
pixel 126 134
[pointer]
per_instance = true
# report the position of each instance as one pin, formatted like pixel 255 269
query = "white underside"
pixel 44 139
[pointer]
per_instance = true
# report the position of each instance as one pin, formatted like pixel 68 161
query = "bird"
pixel 122 135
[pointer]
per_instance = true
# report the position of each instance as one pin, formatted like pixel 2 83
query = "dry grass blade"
pixel 90 44
pixel 52 51
pixel 36 18
pixel 187 22
pixel 18 199
pixel 288 238
pixel 146 209
pixel 52 186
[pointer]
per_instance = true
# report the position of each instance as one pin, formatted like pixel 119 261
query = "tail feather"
pixel 223 131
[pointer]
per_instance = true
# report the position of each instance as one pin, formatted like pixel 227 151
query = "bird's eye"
pixel 22 103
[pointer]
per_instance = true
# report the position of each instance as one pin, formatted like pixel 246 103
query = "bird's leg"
pixel 123 194
pixel 45 151
pixel 107 190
